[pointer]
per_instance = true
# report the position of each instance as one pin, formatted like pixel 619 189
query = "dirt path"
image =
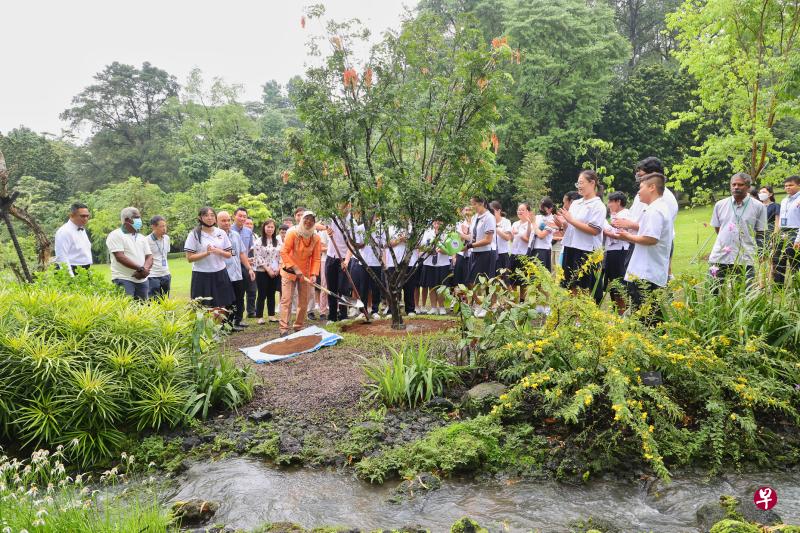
pixel 312 383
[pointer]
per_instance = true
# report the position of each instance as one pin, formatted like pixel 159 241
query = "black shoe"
pixel 251 315
pixel 312 315
pixel 236 327
pixel 243 324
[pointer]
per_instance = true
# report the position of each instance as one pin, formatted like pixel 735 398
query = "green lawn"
pixel 693 241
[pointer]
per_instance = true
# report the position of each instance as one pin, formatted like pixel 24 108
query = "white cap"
pixel 309 214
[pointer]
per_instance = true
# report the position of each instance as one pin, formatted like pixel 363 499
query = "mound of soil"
pixel 289 346
pixel 383 328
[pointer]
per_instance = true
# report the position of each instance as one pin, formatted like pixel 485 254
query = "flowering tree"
pixel 405 137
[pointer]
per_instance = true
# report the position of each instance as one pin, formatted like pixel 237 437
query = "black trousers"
pixel 638 292
pixel 267 287
pixel 338 283
pixel 366 285
pixel 237 308
pixel 250 290
pixel 786 258
pixel 409 287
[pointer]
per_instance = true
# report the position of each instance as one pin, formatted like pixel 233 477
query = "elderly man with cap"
pixel 300 255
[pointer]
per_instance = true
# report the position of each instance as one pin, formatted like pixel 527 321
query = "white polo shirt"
pixel 212 263
pixel 592 212
pixel 400 249
pixel 501 245
pixel 338 243
pixel 72 245
pixel 651 263
pixel 480 227
pixel 135 248
pixel 428 240
pixel 669 199
pixel 367 252
pixel 159 249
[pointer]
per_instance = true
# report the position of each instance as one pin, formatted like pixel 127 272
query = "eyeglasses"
pixel 83 216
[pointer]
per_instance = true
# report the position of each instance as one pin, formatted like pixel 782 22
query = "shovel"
pixel 350 302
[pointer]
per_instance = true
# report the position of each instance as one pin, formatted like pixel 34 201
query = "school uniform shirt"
pixel 465 225
pixel 135 248
pixel 213 262
pixel 159 249
pixel 518 244
pixel 610 243
pixel 246 235
pixel 233 264
pixel 542 244
pixel 367 253
pixel 501 245
pixel 592 212
pixel 400 250
pixel 480 227
pixel 429 240
pixel 338 245
pixel 73 246
pixel 267 256
pixel 651 263
pixel 790 214
pixel 736 242
pixel 669 199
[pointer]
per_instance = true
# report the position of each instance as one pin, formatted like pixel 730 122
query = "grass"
pixel 181 272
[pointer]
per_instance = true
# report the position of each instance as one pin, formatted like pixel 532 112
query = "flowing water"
pixel 251 492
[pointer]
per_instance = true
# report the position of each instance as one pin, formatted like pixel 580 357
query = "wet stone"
pixel 289 445
pixel 261 415
pixel 194 512
pixel 190 442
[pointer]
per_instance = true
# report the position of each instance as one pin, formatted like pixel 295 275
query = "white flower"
pixel 37 523
pixel 41 513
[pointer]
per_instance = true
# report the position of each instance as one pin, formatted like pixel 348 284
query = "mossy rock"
pixel 732 508
pixel 283 527
pixel 593 524
pixel 733 526
pixel 467 525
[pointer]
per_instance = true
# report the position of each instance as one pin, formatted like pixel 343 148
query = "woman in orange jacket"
pixel 300 255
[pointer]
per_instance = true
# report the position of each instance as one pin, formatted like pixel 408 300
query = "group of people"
pixel 625 250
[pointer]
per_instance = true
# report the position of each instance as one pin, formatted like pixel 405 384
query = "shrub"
pixel 721 398
pixel 412 375
pixel 82 369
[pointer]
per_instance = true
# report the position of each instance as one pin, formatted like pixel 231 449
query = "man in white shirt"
pixel 740 222
pixel 648 268
pixel 787 257
pixel 160 279
pixel 73 247
pixel 131 258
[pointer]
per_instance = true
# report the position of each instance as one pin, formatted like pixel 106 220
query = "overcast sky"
pixel 53 48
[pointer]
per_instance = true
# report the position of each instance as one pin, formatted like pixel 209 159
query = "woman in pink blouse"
pixel 266 261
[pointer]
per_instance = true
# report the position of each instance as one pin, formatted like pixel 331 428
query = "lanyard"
pixel 158 245
pixel 738 216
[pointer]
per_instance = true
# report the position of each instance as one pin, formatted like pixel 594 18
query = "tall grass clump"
pixel 85 369
pixel 37 495
pixel 411 376
pixel 674 394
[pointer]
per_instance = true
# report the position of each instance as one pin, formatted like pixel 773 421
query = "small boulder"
pixel 439 404
pixel 261 415
pixel 194 512
pixel 731 508
pixel 285 527
pixel 410 488
pixel 190 443
pixel 733 526
pixel 288 445
pixel 482 391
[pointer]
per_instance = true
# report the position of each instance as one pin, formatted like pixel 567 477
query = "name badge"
pixel 163 261
pixel 784 221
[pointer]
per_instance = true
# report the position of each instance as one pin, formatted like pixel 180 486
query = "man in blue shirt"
pixel 788 257
pixel 246 234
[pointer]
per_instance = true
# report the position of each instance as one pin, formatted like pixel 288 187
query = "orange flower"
pixel 303 22
pixel 482 83
pixel 285 176
pixel 429 178
pixel 495 142
pixel 350 78
pixel 497 42
pixel 368 77
pixel 485 143
pixel 425 70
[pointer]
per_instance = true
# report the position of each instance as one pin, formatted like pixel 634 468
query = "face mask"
pixel 137 224
pixel 763 196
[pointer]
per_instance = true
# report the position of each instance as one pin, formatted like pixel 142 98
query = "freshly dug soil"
pixel 300 344
pixel 414 326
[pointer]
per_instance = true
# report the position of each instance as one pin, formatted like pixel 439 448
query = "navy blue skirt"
pixel 214 285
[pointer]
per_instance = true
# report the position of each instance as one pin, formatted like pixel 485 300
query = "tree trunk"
pixel 394 307
pixel 20 254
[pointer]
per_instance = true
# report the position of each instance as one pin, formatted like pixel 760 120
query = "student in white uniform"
pixel 520 239
pixel 206 249
pixel 502 239
pixel 366 285
pixel 482 229
pixel 72 245
pixel 616 254
pixel 787 257
pixel 435 268
pixel 741 223
pixel 461 270
pixel 648 165
pixel 648 268
pixel 160 278
pixel 583 234
pixel 396 255
pixel 541 236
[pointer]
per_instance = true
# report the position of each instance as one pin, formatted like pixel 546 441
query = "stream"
pixel 251 493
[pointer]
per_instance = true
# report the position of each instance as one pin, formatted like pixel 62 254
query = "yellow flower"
pixel 733 416
pixel 651 428
pixel 678 305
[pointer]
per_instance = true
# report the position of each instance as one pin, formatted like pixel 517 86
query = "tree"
pixel 533 178
pixel 30 154
pixel 744 56
pixel 643 24
pixel 406 138
pixel 124 110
